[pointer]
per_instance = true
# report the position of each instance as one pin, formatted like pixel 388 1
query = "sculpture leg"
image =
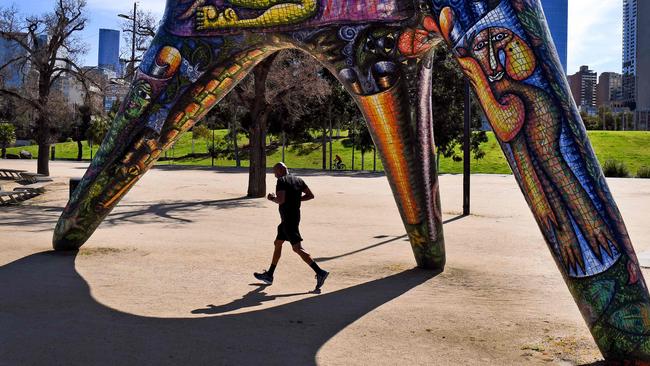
pixel 393 90
pixel 152 118
pixel 506 51
pixel 403 135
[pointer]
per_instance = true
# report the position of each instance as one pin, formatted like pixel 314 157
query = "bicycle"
pixel 338 165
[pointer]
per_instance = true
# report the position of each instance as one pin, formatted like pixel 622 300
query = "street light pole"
pixel 466 150
pixel 135 9
pixel 134 31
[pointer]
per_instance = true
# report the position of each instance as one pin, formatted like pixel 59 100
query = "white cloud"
pixel 595 35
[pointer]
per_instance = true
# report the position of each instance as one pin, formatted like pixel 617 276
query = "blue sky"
pixel 595 28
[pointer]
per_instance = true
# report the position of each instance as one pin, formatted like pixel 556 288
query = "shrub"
pixel 616 169
pixel 98 129
pixel 7 137
pixel 201 132
pixel 643 172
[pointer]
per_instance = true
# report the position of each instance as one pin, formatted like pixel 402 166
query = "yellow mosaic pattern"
pixel 278 12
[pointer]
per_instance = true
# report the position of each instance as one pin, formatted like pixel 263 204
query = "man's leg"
pixel 321 274
pixel 267 276
pixel 277 252
pixel 297 247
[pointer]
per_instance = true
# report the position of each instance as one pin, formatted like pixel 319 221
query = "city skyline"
pixel 595 30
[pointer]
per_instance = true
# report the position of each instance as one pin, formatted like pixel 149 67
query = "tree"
pixel 7 108
pixel 448 94
pixel 50 45
pixel 230 114
pixel 335 109
pixel 593 122
pixel 145 25
pixel 7 136
pixel 81 129
pixel 362 140
pixel 98 129
pixel 201 132
pixel 286 82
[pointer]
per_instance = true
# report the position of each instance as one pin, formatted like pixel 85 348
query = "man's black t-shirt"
pixel 292 187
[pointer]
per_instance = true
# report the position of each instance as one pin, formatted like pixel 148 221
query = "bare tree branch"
pixel 18 96
pixel 46 41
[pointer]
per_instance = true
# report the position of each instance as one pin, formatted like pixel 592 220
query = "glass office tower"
pixel 109 50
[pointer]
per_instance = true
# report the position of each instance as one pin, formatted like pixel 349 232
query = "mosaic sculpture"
pixel 381 51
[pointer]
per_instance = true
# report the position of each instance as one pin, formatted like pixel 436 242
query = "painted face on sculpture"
pixel 139 99
pixel 501 52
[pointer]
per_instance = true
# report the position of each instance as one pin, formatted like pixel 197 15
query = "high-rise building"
pixel 109 50
pixel 11 52
pixel 583 87
pixel 610 89
pixel 636 59
pixel 557 16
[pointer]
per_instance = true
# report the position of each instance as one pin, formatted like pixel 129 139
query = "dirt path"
pixel 167 278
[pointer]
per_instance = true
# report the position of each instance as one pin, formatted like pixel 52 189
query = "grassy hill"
pixel 631 148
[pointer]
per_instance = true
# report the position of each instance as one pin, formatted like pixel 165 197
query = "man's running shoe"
pixel 320 279
pixel 264 277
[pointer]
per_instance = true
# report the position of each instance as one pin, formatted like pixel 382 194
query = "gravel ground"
pixel 167 278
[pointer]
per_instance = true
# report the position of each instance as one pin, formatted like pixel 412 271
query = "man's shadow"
pixel 48 316
pixel 255 297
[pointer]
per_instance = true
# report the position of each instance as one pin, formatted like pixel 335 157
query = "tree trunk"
pixel 352 150
pixel 80 150
pixel 4 152
pixel 43 159
pixel 259 115
pixel 284 143
pixel 324 149
pixel 331 149
pixel 257 170
pixel 43 132
pixel 374 159
pixel 363 162
pixel 237 161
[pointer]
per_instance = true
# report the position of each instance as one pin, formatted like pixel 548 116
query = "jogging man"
pixel 288 195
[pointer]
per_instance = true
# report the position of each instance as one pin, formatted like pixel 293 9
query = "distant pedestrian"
pixel 290 192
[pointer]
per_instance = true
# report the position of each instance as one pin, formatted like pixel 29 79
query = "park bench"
pixel 11 174
pixel 34 187
pixel 31 178
pixel 15 197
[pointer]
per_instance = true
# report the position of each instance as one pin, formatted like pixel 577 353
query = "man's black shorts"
pixel 288 231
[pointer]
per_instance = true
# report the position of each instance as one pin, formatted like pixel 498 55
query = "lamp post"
pixel 133 31
pixel 466 149
pixel 136 30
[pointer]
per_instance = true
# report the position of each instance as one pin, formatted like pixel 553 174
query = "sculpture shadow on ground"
pixel 387 241
pixel 176 211
pixel 49 316
pixel 38 218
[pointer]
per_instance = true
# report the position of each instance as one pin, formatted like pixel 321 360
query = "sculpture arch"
pixel 381 52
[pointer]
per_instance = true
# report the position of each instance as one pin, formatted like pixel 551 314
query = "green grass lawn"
pixel 631 148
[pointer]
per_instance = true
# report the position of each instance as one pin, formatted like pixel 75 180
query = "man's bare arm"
pixel 278 198
pixel 308 195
